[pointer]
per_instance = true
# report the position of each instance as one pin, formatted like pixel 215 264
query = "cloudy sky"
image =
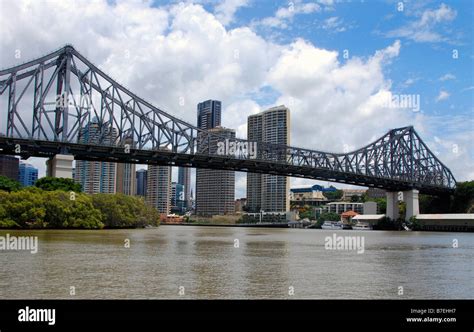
pixel 335 64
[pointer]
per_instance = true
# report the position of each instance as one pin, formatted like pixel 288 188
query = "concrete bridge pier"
pixel 60 166
pixel 410 197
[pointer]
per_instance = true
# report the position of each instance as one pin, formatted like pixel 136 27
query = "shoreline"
pixel 262 225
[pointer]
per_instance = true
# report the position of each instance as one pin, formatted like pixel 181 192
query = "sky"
pixel 340 66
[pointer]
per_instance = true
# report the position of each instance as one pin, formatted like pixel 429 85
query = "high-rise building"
pixel 209 114
pixel 96 176
pixel 184 179
pixel 158 192
pixel 215 189
pixel 28 174
pixel 177 198
pixel 126 179
pixel 9 167
pixel 269 192
pixel 141 176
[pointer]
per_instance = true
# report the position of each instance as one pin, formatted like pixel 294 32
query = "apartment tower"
pixel 269 192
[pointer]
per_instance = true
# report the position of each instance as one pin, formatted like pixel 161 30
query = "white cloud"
pixel 424 28
pixel 326 2
pixel 447 77
pixel 334 24
pixel 236 115
pixel 226 10
pixel 443 95
pixel 410 81
pixel 284 15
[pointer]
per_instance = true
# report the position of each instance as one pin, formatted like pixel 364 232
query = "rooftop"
pixel 368 217
pixel 349 214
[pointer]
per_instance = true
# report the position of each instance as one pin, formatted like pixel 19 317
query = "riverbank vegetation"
pixel 51 204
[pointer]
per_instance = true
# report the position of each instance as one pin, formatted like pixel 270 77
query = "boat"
pixel 332 225
pixel 405 227
pixel 362 227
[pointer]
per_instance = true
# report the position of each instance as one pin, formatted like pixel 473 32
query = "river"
pixel 195 262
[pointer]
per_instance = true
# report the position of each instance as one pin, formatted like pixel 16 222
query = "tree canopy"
pixel 333 195
pixel 50 184
pixel 8 184
pixel 122 211
pixel 33 207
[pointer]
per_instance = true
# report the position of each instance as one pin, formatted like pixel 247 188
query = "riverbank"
pixel 261 225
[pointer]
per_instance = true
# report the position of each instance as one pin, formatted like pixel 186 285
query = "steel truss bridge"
pixel 46 103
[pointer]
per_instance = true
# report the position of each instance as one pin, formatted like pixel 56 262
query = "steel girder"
pixel 51 100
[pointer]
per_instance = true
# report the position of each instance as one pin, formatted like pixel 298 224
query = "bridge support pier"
pixel 60 166
pixel 392 205
pixel 410 197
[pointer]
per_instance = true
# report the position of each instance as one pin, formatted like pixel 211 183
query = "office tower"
pixel 141 176
pixel 96 176
pixel 126 179
pixel 209 114
pixel 177 198
pixel 269 192
pixel 215 189
pixel 9 167
pixel 184 179
pixel 28 174
pixel 158 192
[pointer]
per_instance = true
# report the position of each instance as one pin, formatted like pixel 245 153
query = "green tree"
pixel 5 221
pixel 356 198
pixel 8 184
pixel 64 211
pixel 122 211
pixel 23 208
pixel 434 204
pixel 463 198
pixel 307 213
pixel 35 208
pixel 333 195
pixel 50 184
